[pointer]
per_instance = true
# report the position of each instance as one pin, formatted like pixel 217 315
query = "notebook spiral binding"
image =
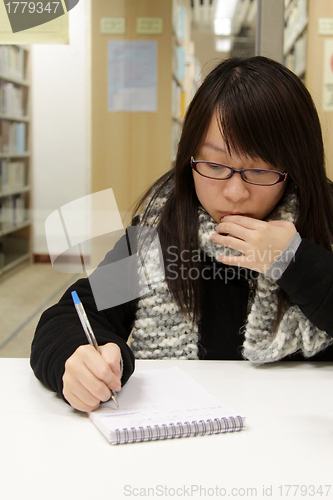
pixel 186 429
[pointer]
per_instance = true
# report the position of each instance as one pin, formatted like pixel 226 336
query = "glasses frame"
pixel 282 176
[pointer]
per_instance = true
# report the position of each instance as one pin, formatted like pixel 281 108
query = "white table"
pixel 49 451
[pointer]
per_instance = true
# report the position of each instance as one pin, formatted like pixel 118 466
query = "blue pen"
pixel 89 332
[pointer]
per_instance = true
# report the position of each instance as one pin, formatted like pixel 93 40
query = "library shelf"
pixel 15 157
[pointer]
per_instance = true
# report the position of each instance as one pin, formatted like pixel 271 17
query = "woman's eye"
pixel 214 166
pixel 259 172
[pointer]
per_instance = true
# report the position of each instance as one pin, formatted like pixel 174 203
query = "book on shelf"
pixel 295 23
pixel 13 99
pixel 179 62
pixel 176 99
pixel 12 211
pixel 12 175
pixel 19 210
pixel 13 62
pixel 300 54
pixel 12 137
pixel 179 20
pixel 176 133
pixel 163 404
pixel 19 137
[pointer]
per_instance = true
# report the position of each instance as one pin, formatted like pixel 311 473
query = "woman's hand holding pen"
pixel 89 376
pixel 259 241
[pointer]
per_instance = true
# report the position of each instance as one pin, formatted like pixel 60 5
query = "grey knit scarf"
pixel 161 331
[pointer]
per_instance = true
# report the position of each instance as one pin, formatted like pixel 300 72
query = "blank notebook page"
pixel 157 399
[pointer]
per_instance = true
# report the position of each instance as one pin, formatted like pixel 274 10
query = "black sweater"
pixel 308 281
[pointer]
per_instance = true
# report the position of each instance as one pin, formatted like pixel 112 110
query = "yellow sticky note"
pixel 325 26
pixel 149 25
pixel 113 25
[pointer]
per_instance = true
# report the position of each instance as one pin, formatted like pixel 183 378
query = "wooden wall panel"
pixel 130 149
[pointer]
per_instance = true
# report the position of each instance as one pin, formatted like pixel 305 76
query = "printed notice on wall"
pixel 328 75
pixel 132 75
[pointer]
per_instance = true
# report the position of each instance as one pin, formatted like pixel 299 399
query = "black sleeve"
pixel 59 332
pixel 308 280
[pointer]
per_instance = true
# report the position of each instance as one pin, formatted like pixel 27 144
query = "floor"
pixel 24 295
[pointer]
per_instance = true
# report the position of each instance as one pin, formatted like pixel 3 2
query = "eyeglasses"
pixel 220 172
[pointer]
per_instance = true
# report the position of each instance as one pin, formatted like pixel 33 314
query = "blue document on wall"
pixel 132 76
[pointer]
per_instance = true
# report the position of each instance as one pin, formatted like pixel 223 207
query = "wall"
pixel 130 149
pixel 60 122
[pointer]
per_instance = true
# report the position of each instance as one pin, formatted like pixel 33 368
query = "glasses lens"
pixel 261 177
pixel 213 170
pixel 254 176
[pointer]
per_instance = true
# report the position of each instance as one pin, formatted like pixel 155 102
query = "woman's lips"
pixel 225 214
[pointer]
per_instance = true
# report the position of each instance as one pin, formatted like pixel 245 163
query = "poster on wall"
pixel 132 76
pixel 328 75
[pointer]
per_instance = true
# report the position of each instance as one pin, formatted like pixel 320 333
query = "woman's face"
pixel 233 196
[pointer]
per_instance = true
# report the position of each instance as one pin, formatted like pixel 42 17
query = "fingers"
pixel 112 355
pixel 242 228
pixel 260 242
pixel 81 406
pixel 233 235
pixel 88 377
pixel 241 220
pixel 81 399
pixel 230 241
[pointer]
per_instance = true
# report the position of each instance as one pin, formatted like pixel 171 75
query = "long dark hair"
pixel 264 112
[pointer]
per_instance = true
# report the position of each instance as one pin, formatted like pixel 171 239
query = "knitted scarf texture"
pixel 161 331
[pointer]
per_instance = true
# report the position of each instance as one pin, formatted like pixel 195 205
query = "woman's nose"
pixel 235 189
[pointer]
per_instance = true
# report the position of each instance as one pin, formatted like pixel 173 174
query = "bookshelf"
pixel 316 67
pixel 15 164
pixel 295 36
pixel 178 73
pixel 304 54
pixel 183 67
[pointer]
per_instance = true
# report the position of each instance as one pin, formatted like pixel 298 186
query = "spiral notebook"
pixel 163 404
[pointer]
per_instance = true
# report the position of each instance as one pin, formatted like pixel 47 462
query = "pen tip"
pixel 115 400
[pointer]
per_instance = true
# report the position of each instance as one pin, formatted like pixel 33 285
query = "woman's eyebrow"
pixel 214 147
